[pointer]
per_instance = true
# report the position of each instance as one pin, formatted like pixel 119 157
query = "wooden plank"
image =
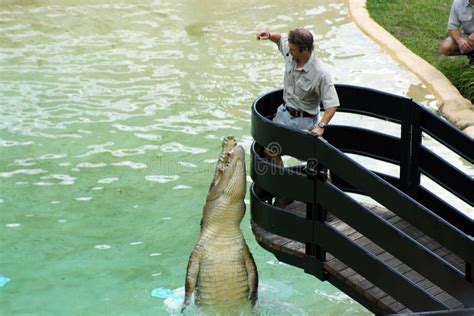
pixel 455 261
pixel 385 256
pixel 386 301
pixel 397 306
pixel 454 303
pixel 442 252
pixel 374 249
pixel 337 265
pixel 434 290
pixel 395 220
pixel 414 276
pixel 347 273
pixel 375 293
pixel 413 232
pixel 363 241
pixel 445 297
pixel 425 284
pixel 402 225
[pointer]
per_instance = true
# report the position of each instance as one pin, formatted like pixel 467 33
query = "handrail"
pixel 404 196
pixel 370 184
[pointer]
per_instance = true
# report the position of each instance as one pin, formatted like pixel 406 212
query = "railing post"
pixel 321 214
pixel 314 254
pixel 410 148
pixel 469 271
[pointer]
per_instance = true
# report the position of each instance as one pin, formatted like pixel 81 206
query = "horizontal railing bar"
pixel 451 178
pixel 298 143
pixel 371 102
pixel 425 197
pixel 396 201
pixel 280 181
pixel 396 242
pixel 375 271
pixel 446 211
pixel 447 134
pixel 279 221
pixel 364 142
pixel 346 187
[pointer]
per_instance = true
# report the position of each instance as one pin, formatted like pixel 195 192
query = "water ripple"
pixel 22 171
pixel 161 178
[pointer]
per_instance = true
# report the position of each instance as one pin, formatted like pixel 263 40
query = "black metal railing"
pixel 404 196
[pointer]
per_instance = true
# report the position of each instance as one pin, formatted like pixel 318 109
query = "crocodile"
pixel 221 269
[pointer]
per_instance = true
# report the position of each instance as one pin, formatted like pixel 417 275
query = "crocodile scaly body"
pixel 221 269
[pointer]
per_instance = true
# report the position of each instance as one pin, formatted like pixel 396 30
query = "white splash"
pixel 91 165
pixel 131 164
pixel 107 180
pixel 84 198
pixel 187 164
pixel 161 179
pixel 182 187
pixel 102 247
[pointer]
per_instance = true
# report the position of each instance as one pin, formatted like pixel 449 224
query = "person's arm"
pixel 272 36
pixel 327 116
pixel 463 44
pixel 470 40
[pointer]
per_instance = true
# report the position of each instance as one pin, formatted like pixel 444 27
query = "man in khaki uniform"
pixel 307 84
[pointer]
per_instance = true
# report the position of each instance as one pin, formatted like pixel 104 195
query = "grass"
pixel 421 25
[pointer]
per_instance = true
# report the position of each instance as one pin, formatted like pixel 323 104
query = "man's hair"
pixel 302 38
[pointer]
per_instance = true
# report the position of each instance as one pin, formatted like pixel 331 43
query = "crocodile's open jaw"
pixel 228 146
pixel 230 169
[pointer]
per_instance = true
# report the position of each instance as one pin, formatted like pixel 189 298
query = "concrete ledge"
pixel 453 106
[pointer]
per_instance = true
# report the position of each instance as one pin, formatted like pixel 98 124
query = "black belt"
pixel 297 113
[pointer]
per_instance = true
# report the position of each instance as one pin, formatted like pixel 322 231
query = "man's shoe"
pixel 471 58
pixel 330 217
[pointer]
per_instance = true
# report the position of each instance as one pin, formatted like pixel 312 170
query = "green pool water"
pixel 111 120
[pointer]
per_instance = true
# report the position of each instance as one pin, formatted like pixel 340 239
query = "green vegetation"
pixel 420 25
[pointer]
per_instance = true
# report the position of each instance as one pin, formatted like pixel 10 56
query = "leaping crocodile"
pixel 221 268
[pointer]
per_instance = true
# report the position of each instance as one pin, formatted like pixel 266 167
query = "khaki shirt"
pixel 462 16
pixel 307 87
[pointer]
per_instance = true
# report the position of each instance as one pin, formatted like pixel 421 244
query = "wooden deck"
pixel 339 270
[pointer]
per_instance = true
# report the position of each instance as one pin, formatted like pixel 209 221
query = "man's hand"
pixel 470 41
pixel 464 45
pixel 317 131
pixel 263 35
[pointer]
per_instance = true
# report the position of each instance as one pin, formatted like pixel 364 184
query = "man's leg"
pixel 273 157
pixel 449 47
